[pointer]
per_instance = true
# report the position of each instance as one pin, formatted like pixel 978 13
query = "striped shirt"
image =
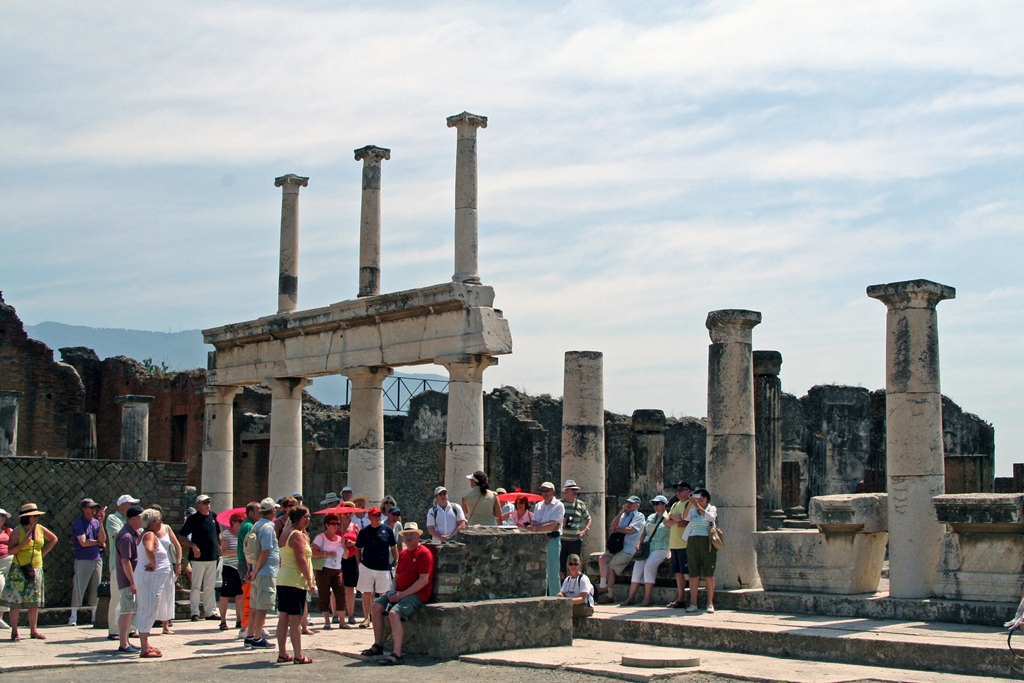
pixel 576 517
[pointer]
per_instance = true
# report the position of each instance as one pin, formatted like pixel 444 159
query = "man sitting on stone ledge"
pixel 414 581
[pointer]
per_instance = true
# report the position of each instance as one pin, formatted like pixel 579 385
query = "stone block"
pixel 850 512
pixel 445 630
pixel 811 561
pixel 982 512
pixel 981 566
pixel 467 570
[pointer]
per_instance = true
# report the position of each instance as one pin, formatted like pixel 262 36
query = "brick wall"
pixel 57 485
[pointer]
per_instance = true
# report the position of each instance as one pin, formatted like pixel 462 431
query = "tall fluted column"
pixel 135 427
pixel 288 280
pixel 285 467
pixel 366 431
pixel 218 479
pixel 465 435
pixel 583 456
pixel 369 219
pixel 731 460
pixel 768 436
pixel 466 220
pixel 9 422
pixel 913 425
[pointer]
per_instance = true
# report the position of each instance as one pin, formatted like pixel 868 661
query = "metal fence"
pixel 398 391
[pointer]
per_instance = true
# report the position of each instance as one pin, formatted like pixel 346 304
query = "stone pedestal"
pixel 583 453
pixel 731 452
pixel 466 220
pixel 842 556
pixel 369 219
pixel 285 467
pixel 82 436
pixel 465 432
pixel 9 423
pixel 288 280
pixel 914 452
pixel 366 431
pixel 768 438
pixel 983 554
pixel 135 427
pixel 648 470
pixel 218 446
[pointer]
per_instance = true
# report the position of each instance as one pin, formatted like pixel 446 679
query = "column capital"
pixel 467 120
pixel 295 181
pixel 372 374
pixel 732 325
pixel 287 385
pixel 9 393
pixel 466 367
pixel 767 363
pixel 372 153
pixel 133 398
pixel 911 294
pixel 219 393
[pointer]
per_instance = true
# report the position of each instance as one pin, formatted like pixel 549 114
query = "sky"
pixel 643 164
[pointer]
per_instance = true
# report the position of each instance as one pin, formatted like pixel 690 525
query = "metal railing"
pixel 398 391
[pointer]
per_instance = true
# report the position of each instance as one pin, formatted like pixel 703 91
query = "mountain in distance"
pixel 180 351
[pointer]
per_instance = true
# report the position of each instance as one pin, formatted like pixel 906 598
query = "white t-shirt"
pixel 574 588
pixel 549 512
pixel 445 520
pixel 336 546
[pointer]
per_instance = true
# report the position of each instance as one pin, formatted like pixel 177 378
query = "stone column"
pixel 366 431
pixel 583 457
pixel 285 468
pixel 82 436
pixel 731 451
pixel 465 434
pixel 218 480
pixel 135 427
pixel 288 281
pixel 9 422
pixel 369 219
pixel 768 437
pixel 648 468
pixel 913 443
pixel 466 222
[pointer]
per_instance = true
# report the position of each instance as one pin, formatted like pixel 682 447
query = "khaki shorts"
pixel 619 561
pixel 263 595
pixel 126 601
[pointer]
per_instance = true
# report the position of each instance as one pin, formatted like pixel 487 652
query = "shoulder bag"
pixel 716 537
pixel 645 547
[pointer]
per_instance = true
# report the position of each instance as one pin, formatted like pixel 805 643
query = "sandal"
pixel 15 638
pixel 151 653
pixel 392 659
pixel 625 603
pixel 373 651
pixel 365 624
pixel 309 632
pixel 281 659
pixel 302 660
pixel 676 604
pixel 36 635
pixel 645 604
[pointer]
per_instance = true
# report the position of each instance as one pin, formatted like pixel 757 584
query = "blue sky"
pixel 643 165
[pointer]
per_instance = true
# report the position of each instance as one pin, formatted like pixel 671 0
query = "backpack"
pixel 251 547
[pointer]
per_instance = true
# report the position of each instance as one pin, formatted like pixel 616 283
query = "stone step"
pixel 952 648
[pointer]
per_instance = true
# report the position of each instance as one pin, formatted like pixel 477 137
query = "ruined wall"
pixel 52 391
pixel 56 485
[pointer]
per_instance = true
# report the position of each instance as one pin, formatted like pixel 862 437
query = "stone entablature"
pixel 855 512
pixel 401 328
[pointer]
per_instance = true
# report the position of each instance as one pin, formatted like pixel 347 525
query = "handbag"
pixel 716 537
pixel 615 542
pixel 645 547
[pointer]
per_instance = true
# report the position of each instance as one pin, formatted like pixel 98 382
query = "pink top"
pixel 520 521
pixel 5 538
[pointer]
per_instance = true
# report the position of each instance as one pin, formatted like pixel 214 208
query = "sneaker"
pixel 263 644
pixel 195 617
pixel 213 617
pixel 248 642
pixel 4 625
pixel 241 634
pixel 711 609
pixel 351 620
pixel 335 620
pixel 72 622
pixel 131 649
pixel 691 609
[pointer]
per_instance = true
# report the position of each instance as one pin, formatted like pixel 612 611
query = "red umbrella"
pixel 516 495
pixel 224 518
pixel 338 511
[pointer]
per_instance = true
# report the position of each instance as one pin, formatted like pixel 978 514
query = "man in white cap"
pixel 575 526
pixel 548 516
pixel 5 561
pixel 346 494
pixel 113 525
pixel 444 518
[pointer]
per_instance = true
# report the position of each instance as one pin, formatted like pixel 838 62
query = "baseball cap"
pixel 133 511
pixel 126 499
pixel 659 499
pixel 373 511
pixel 347 488
pixel 394 511
pixel 682 485
pixel 635 500
pixel 88 503
pixel 268 505
pixel 439 490
pixel 202 498
pixel 547 485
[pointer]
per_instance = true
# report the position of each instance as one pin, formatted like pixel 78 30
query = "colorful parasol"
pixel 224 518
pixel 515 495
pixel 339 511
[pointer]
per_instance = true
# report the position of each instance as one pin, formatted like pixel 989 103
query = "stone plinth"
pixel 490 563
pixel 913 444
pixel 446 630
pixel 9 423
pixel 731 451
pixel 983 556
pixel 843 556
pixel 135 427
pixel 583 447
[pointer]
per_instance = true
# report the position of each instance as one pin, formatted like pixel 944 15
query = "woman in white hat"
pixel 28 544
pixel 5 560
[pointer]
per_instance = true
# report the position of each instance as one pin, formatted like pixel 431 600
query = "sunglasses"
pixel 573 564
pixel 332 524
